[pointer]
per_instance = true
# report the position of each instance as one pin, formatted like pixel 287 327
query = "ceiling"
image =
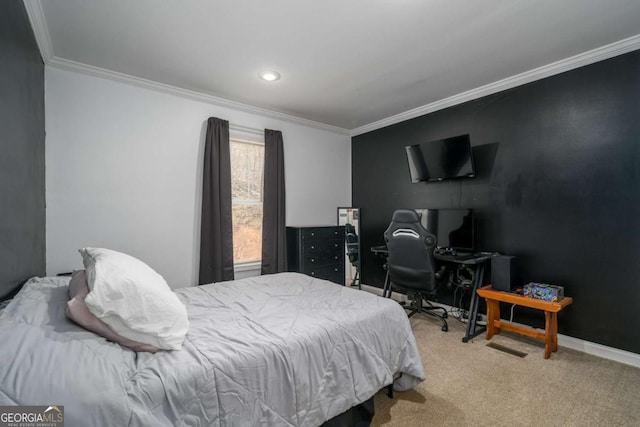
pixel 347 64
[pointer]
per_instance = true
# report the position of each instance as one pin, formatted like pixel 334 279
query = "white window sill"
pixel 247 266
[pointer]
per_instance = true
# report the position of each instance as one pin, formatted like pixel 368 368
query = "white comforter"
pixel 281 349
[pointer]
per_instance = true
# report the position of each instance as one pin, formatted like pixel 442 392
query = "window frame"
pixel 240 266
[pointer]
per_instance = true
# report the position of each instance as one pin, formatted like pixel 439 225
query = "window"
pixel 247 184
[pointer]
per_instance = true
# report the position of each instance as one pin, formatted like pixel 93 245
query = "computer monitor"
pixel 453 228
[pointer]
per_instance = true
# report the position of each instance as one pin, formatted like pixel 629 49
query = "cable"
pixel 462 280
pixel 512 307
pixel 460 309
pixel 454 310
pixel 457 311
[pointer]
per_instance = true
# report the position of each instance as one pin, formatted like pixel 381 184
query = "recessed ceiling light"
pixel 270 76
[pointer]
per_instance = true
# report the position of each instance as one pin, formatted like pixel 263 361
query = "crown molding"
pixel 599 54
pixel 43 39
pixel 40 29
pixel 66 64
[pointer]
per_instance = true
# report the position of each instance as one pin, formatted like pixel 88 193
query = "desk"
pixel 477 264
pixel 551 309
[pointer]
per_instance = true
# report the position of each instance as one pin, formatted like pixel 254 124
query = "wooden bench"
pixel 551 309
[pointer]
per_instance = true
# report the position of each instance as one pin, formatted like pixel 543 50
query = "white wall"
pixel 124 166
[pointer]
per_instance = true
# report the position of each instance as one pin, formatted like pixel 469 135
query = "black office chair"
pixel 353 251
pixel 410 264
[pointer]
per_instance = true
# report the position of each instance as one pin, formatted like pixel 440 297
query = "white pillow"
pixel 78 311
pixel 135 301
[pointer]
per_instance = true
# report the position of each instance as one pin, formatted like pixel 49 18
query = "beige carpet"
pixel 475 385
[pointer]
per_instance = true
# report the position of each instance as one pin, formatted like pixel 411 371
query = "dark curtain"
pixel 216 233
pixel 273 214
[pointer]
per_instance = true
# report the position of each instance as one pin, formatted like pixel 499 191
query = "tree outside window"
pixel 247 184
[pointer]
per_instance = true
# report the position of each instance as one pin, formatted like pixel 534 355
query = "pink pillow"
pixel 78 312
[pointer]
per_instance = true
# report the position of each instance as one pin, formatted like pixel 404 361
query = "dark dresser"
pixel 317 252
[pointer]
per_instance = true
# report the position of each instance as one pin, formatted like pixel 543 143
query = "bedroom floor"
pixel 472 384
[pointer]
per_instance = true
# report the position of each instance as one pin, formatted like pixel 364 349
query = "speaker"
pixel 503 272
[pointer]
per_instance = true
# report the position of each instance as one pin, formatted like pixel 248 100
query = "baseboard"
pixel 611 353
pixel 588 347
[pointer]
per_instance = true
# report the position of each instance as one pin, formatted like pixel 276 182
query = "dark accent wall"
pixel 22 173
pixel 558 186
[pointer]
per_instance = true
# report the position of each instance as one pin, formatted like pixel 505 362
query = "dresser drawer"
pixel 333 273
pixel 324 259
pixel 322 249
pixel 322 233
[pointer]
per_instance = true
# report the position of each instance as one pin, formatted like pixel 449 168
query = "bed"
pixel 282 349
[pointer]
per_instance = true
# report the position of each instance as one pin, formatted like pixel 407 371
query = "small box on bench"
pixel 543 291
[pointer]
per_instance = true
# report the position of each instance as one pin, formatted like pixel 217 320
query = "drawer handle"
pixel 335 245
pixel 335 269
pixel 313 273
pixel 335 257
pixel 313 234
pixel 313 246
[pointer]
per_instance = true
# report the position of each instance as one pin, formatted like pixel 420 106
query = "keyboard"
pixel 458 257
pixel 462 257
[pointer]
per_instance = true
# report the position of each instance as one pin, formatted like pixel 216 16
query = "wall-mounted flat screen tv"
pixel 447 158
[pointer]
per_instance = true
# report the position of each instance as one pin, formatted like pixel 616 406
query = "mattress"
pixel 282 349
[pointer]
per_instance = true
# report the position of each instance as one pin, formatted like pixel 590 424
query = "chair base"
pixel 416 304
pixel 417 307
